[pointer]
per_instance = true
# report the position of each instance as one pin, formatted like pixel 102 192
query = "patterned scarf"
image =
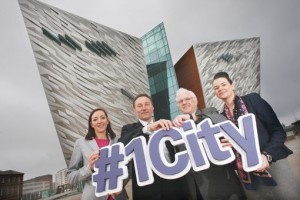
pixel 251 180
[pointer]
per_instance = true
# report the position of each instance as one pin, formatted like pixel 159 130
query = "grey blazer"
pixel 79 169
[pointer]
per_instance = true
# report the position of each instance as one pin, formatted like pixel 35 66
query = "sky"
pixel 28 140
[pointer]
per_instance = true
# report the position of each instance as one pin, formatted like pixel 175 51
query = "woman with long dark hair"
pixel 86 152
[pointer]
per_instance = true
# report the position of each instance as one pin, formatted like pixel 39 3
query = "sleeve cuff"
pixel 145 131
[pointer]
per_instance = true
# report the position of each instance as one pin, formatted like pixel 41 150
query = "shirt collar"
pixel 145 123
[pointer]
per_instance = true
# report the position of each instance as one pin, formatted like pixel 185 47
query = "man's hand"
pixel 179 120
pixel 162 123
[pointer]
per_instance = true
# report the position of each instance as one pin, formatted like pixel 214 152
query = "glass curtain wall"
pixel 161 73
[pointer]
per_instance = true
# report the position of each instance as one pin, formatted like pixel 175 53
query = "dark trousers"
pixel 161 189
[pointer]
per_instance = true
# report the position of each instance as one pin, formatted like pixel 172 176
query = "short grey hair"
pixel 183 91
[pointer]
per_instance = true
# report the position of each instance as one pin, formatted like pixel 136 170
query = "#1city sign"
pixel 202 144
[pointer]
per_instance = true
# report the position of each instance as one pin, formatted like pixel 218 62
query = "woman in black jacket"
pixel 274 179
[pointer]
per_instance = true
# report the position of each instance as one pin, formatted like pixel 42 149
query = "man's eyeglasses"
pixel 184 99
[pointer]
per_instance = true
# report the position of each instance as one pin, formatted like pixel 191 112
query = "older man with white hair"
pixel 217 182
pixel 187 103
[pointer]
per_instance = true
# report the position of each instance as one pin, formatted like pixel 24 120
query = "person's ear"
pixel 233 86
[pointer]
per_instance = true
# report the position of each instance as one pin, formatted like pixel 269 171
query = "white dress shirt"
pixel 166 152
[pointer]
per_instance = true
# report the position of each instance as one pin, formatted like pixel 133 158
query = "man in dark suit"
pixel 161 189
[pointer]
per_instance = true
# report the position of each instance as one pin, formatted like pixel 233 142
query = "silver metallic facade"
pixel 83 65
pixel 239 58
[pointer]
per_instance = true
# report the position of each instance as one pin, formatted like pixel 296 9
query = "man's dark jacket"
pixel 161 189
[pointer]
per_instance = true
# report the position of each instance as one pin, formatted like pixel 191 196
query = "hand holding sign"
pixel 202 144
pixel 160 124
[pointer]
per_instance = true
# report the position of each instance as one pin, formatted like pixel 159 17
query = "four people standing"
pixel 217 182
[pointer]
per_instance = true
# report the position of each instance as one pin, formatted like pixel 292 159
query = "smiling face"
pixel 187 102
pixel 223 89
pixel 143 108
pixel 99 122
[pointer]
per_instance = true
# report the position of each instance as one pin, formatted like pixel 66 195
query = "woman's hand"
pixel 265 164
pixel 94 156
pixel 225 142
pixel 114 195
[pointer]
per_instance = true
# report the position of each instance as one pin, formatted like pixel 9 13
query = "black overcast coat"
pixel 270 132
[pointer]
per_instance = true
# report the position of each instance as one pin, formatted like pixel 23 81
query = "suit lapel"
pixel 140 125
pixel 93 145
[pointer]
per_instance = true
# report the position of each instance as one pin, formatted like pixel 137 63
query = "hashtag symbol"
pixel 110 170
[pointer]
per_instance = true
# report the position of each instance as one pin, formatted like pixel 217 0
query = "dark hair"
pixel 142 95
pixel 91 131
pixel 222 75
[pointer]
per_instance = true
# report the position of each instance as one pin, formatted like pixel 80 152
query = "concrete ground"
pixel 293 143
pixel 74 197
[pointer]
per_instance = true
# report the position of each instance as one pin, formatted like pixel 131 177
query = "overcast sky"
pixel 29 143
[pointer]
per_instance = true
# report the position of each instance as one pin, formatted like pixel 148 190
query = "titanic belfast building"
pixel 239 58
pixel 83 65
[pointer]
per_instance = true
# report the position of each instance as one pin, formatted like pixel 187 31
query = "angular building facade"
pixel 83 65
pixel 239 58
pixel 161 74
